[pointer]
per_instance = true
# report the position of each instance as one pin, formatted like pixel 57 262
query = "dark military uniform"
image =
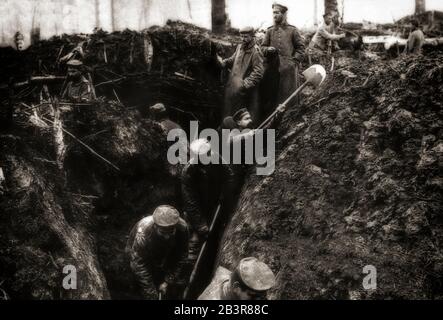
pixel 78 92
pixel 242 88
pixel 203 188
pixel 155 260
pixel 289 44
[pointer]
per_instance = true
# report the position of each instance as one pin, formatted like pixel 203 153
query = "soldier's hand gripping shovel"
pixel 202 251
pixel 314 75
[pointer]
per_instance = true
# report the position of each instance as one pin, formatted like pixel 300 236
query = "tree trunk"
pixel 218 16
pixel 331 6
pixel 97 14
pixel 420 6
pixel 113 15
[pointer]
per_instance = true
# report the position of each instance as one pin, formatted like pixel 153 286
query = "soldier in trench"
pixel 242 88
pixel 204 186
pixel 158 248
pixel 284 39
pixel 250 280
pixel 242 129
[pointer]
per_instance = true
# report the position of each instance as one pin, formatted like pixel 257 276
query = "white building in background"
pixel 68 16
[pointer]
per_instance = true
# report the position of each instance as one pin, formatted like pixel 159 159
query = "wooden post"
pixel 218 15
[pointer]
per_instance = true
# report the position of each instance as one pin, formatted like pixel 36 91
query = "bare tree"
pixel 97 14
pixel 142 22
pixel 420 6
pixel 218 15
pixel 113 18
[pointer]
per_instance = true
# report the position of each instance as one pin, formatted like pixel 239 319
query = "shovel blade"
pixel 315 75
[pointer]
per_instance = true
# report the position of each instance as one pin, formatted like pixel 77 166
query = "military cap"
pixel 240 114
pixel 157 108
pixel 200 146
pixel 280 6
pixel 249 30
pixel 166 216
pixel 74 63
pixel 255 274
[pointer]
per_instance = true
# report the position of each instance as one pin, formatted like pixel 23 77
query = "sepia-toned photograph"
pixel 221 150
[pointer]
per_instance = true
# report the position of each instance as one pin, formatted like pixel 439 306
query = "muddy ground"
pixel 356 182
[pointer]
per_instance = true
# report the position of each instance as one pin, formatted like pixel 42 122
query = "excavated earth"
pixel 357 179
pixel 357 182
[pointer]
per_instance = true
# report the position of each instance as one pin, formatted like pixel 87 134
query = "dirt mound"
pixel 357 182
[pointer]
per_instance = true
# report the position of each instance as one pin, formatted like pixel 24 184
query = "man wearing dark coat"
pixel 158 249
pixel 287 41
pixel 247 70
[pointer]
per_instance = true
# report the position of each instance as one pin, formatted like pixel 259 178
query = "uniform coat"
pixel 246 73
pixel 290 47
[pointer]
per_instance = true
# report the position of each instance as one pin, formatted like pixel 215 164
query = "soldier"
pixel 251 280
pixel 78 88
pixel 416 39
pixel 321 43
pixel 159 114
pixel 203 188
pixel 287 41
pixel 246 73
pixel 158 248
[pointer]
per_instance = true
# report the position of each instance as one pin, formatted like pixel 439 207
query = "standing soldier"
pixel 251 280
pixel 246 73
pixel 158 248
pixel 78 88
pixel 287 41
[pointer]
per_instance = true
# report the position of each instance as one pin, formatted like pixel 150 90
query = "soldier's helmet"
pixel 166 216
pixel 255 274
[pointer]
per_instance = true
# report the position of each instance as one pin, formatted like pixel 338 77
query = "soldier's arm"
pixel 257 70
pixel 139 257
pixel 330 36
pixel 229 62
pixel 191 203
pixel 299 46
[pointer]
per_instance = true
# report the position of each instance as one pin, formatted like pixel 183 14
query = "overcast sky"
pixel 80 14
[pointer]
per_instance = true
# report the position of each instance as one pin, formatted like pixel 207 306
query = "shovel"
pixel 314 75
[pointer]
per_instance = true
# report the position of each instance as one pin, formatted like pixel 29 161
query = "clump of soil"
pixel 357 182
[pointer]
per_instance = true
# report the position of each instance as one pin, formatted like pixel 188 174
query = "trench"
pixel 116 215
